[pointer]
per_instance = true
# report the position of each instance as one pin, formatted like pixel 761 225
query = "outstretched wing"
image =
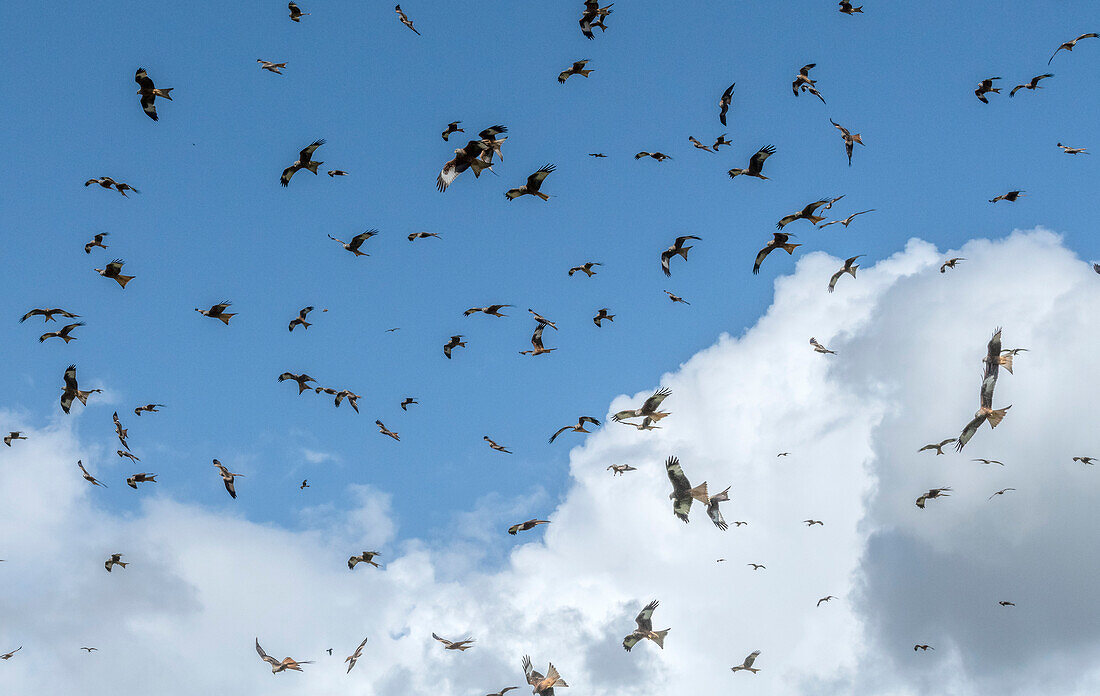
pixel 264 656
pixel 307 152
pixel 680 486
pixel 536 179
pixel 645 617
pixel 756 163
pixel 654 402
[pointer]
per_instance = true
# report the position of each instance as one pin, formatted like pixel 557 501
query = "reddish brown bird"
pixel 114 272
pixel 756 164
pixel 63 334
pixel 576 69
pixel 356 242
pixel 386 431
pixel 218 312
pixel 779 240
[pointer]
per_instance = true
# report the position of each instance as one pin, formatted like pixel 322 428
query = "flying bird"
pixel 107 183
pixel 620 469
pixel 72 391
pixel 114 560
pixel 149 94
pixel 47 314
pixel 578 428
pixel 534 183
pixel 586 268
pixel 950 263
pixel 659 156
pixel 810 523
pixel 988 461
pixel 491 310
pixel 524 526
pixel 540 685
pixel 756 164
pixel 825 599
pixel 1000 492
pixel 576 69
pixel 218 312
pixel 503 691
pixel 472 156
pixel 271 67
pixel 129 455
pixel 677 249
pixel 778 241
pixel 147 408
pixel 644 620
pixel 12 436
pixel 542 320
pixel 803 83
pixel 386 431
pixel 119 430
pixel 849 140
pixel 724 103
pixel 985 87
pixel 938 447
pixel 714 513
pixel 596 154
pixel 356 242
pixel 1083 460
pixel 698 145
pixel 63 334
pixel 932 494
pixel 494 445
pixel 97 241
pixel 1011 197
pixel 1073 150
pixel 352 658
pixel 461 645
pixel 8 655
pixel 114 272
pixel 133 481
pixel 757 566
pixel 1070 44
pixel 300 320
pixel 648 409
pixel 676 298
pixel 89 650
pixel 422 235
pixel 405 19
pixel 365 557
pixel 455 342
pixel 846 221
pixel 925 648
pixel 303 380
pixel 1032 84
pixel 227 479
pixel 536 343
pixel 747 664
pixel 850 267
pixel 846 8
pixel 593 11
pixel 295 13
pixel 600 316
pixel 720 141
pixel 88 477
pixel 336 172
pixel 287 662
pixel 985 411
pixel 305 485
pixel 452 127
pixel 682 492
pixel 305 161
pixel 806 213
pixel 1006 604
pixel 407 402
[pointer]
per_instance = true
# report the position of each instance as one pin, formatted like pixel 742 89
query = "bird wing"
pixel 307 152
pixel 763 254
pixel 536 179
pixel 680 485
pixel 142 78
pixel 264 656
pixel 756 163
pixel 588 419
pixel 536 338
pixel 645 617
pixel 654 402
pixel 533 677
pixel 716 515
pixel 836 277
pixel 631 640
pixel 751 658
pixel 560 431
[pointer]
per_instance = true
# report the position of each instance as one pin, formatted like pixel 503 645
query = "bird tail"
pixel 789 248
pixel 312 166
pixel 1006 361
pixel 995 417
pixel 700 493
pixel 814 218
pixel 164 93
pixel 122 564
pixel 225 318
pixel 479 166
pixel 584 73
pixel 123 279
pixel 73 338
pixel 541 195
pixel 659 638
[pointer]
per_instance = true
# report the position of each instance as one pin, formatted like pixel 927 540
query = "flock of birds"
pixel 477 156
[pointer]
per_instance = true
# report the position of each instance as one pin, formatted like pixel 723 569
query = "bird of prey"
pixel 305 161
pixel 133 481
pixel 938 447
pixel 849 140
pixel 491 310
pixel 676 298
pixel 227 479
pixel 491 143
pixel 129 455
pixel 8 656
pixel 303 380
pixel 586 268
pixel 72 391
pixel 336 172
pixel 460 645
pixel 578 428
pixel 932 494
pixel 806 213
pixel 646 424
pixel 534 183
pixel 1083 460
pixel 405 19
pixel 407 401
pixel 107 183
pixel 950 263
pixel 985 87
pixel 386 431
pixel 89 650
pixel 365 557
pixel 677 249
pixel 724 103
pixel 825 599
pixel 114 272
pixel 1070 44
pixel 147 408
pixel 305 485
pixel 985 411
pixel 925 648
pixel 300 320
pixel 1000 492
pixel 1033 84
pixel 540 685
pixel 115 559
pixel 494 445
pixel 524 526
pixel 620 469
pixel 542 320
pixel 455 342
pixel 644 620
pixel 119 430
pixel 648 409
pixel 714 513
pixel 271 67
pixel 422 235
pixel 720 141
pixel 62 334
pixel 1008 355
pixel 1007 604
pixel 846 221
pixel 576 69
pixel 351 659
pixel 600 316
pixel 696 144
pixel 593 11
pixel 149 93
pixel 802 82
pixel 810 523
pixel 747 664
pixel 218 312
pixel 756 164
pixel 356 242
pixel 1011 197
pixel 1073 150
pixel 468 157
pixel 536 343
pixel 97 241
pixel 778 241
pixel 503 691
pixel 659 156
pixel 287 662
pixel 13 435
pixel 48 314
pixel 452 127
pixel 846 8
pixel 850 266
pixel 988 461
pixel 295 13
pixel 783 454
pixel 88 477
pixel 682 492
pixel 757 566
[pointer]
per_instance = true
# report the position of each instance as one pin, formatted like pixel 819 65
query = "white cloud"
pixel 203 584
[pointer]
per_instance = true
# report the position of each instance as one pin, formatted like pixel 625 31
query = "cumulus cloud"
pixel 204 583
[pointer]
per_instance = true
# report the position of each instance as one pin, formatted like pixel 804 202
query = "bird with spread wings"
pixel 648 409
pixel 682 493
pixel 540 685
pixel 645 629
pixel 985 411
pixel 276 665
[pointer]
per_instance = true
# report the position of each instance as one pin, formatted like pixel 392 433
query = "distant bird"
pixel 720 141
pixel 985 411
pixel 352 397
pixel 586 268
pixel 846 221
pixel 950 263
pixel 455 342
pixel 63 334
pixel 536 343
pixel 1006 604
pixel 646 424
pixel 714 513
pixel 540 685
pixel 542 320
pixel 988 461
pixel 850 267
pixel 534 183
pixel 648 408
pixel 133 481
pixel 1011 197
pixel 620 469
pixel 578 428
pixel 596 154
pixel 452 127
pixel 47 314
pixel 601 315
pixel 676 298
pixel 72 391
pixel 779 240
pixel 747 664
pixel 503 691
pixel 644 621
pixel 108 183
pixel 849 140
pixel 97 241
pixel 807 213
pixel 1033 84
pixel 783 454
pixel 271 67
pixel 682 492
pixel 698 145
pixel 825 599
pixel 468 157
pixel 218 312
pixel 295 13
pixel 147 408
pixel 89 650
pixel 938 447
pixel 593 11
pixel 88 477
pixel 1000 492
pixel 336 172
pixel 802 82
pixel 386 431
pixel 985 87
pixel 227 479
pixel 524 526
pixel 1070 44
pixel 422 235
pixel 149 94
pixel 8 656
pixel 354 657
pixel 1073 150
pixel 405 19
pixel 491 310
pixel 13 436
pixel 305 160
pixel 407 402
pixel 576 69
pixel 724 103
pixel 119 430
pixel 810 523
pixel 128 455
pixel 1084 460
pixel 932 494
pixel 846 8
pixel 114 272
pixel 677 249
pixel 757 566
pixel 287 662
pixel 114 560
pixel 305 485
pixel 303 380
pixel 300 320
pixel 756 164
pixel 925 648
pixel 356 242
pixel 659 156
pixel 365 557
pixel 493 445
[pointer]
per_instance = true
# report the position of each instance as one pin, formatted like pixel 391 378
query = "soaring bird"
pixel 932 494
pixel 714 513
pixel 620 469
pixel 676 298
pixel 756 164
pixel 846 8
pixel 938 447
pixel 802 82
pixel 648 409
pixel 114 560
pixel 503 691
pixel 1083 460
pixel 107 183
pixel 1000 492
pixel 698 145
pixel 985 87
pixel 597 154
pixel 825 599
pixel 850 266
pixel 925 648
pixel 97 241
pixel 352 658
pixel 542 320
pixel 128 455
pixel 119 430
pixel 461 645
pixel 305 161
pixel 721 140
pixel 287 662
pixel 988 461
pixel 405 19
pixel 303 380
pixel 351 396
pixel 644 620
pixel 810 523
pixel 133 481
pixel 8 655
pixel 149 94
pixel 218 312
pixel 452 127
pixel 540 685
pixel 778 241
pixel 807 213
pixel 1070 44
pixel 365 557
pixel 593 11
pixel 1032 84
pixel 271 67
pixel 677 249
pixel 227 479
pixel 586 268
pixel 818 348
pixel 386 431
pixel 405 403
pixel 536 343
pixel 1073 150
pixel 1011 197
pixel 88 477
pixel 356 242
pixel 846 221
pixel 47 314
pixel 473 156
pixel 12 436
pixel 295 13
pixel 63 334
pixel 747 664
pixel 114 272
pixel 1006 604
pixel 659 156
pixel 492 143
pixel 491 310
pixel 757 566
pixel 849 139
pixel 534 182
pixel 578 428
pixel 724 103
pixel 682 493
pixel 950 263
pixel 524 526
pixel 985 411
pixel 422 235
pixel 89 650
pixel 495 446
pixel 455 342
pixel 576 69
pixel 305 485
pixel 601 315
pixel 72 391
pixel 300 320
pixel 336 172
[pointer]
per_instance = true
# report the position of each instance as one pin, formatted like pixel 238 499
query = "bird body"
pixel 576 69
pixel 644 631
pixel 534 183
pixel 149 93
pixel 114 272
pixel 756 164
pixel 218 312
pixel 305 161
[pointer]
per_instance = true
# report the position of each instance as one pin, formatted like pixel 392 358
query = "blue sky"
pixel 212 223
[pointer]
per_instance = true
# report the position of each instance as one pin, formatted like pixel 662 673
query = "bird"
pixel 476 155
pixel 491 310
pixel 1000 492
pixel 648 408
pixel 1032 84
pixel 818 348
pixel 149 94
pixel 925 648
pixel 676 298
pixel 779 240
pixel 540 685
pixel 602 314
pixel 576 69
pixel 724 103
pixel 677 249
pixel 720 141
pixel 12 436
pixel 336 172
pixel 407 401
pixel 119 430
pixel 714 513
pixel 133 481
pixel 810 523
pixel 756 164
pixel 305 161
pixel 452 127
pixel 386 431
pixel 825 599
pixel 531 188
pixel 542 320
pixel 352 658
pixel 803 83
pixel 455 342
pixel 97 241
pixel 47 314
pixel 1084 460
pixel 536 343
pixel 1011 197
pixel 1006 604
pixel 950 263
pixel 227 479
pixel 593 11
pixel 147 408
pixel 938 447
pixel 287 662
pixel 807 213
pixel 88 477
pixel 985 87
pixel 988 461
pixel 850 266
pixel 271 67
pixel 659 156
pixel 747 664
pixel 644 620
pixel 89 650
pixel 62 334
pixel 460 645
pixel 620 469
pixel 114 272
pixel 585 268
pixel 295 13
pixel 303 380
pixel 524 526
pixel 846 221
pixel 218 312
pixel 1073 150
pixel 783 454
pixel 985 411
pixel 1070 44
pixel 757 566
pixel 305 485
pixel 300 320
pixel 129 455
pixel 846 8
pixel 932 494
pixel 696 144
pixel 493 445
pixel 578 428
pixel 71 390
pixel 115 559
pixel 849 140
pixel 682 492
pixel 356 242
pixel 503 691
pixel 365 557
pixel 405 19
pixel 8 655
